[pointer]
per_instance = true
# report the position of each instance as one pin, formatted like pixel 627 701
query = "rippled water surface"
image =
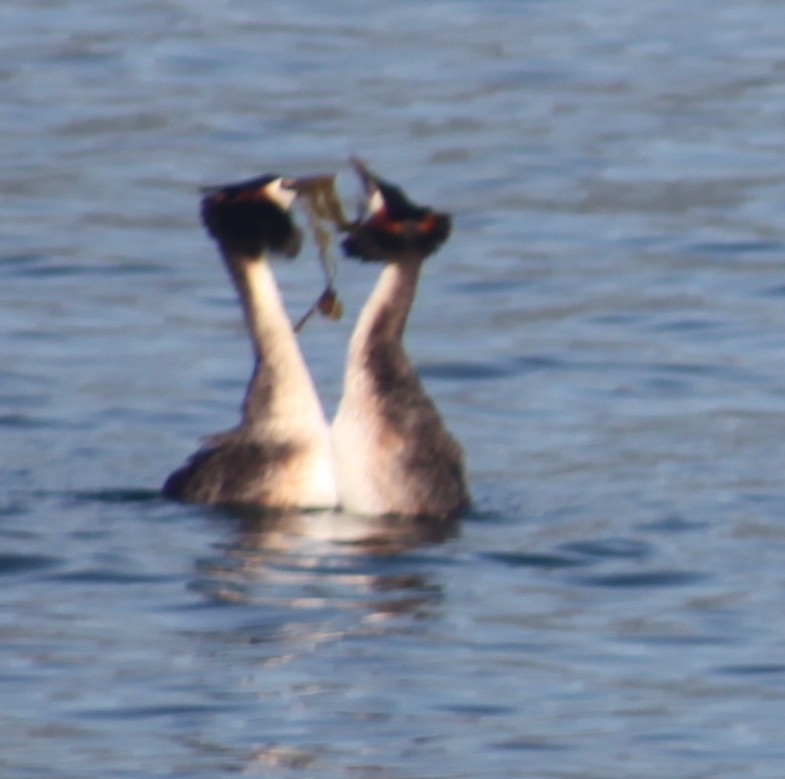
pixel 603 333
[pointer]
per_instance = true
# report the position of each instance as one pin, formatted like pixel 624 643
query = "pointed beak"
pixel 308 183
pixel 367 178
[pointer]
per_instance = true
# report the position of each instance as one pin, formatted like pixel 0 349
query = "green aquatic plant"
pixel 323 208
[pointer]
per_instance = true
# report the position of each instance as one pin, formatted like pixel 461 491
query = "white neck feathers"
pixel 390 290
pixel 295 409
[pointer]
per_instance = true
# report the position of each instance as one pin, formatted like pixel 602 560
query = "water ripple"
pixel 15 564
pixel 643 579
pixel 523 560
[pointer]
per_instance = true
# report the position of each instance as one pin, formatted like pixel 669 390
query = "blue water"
pixel 603 333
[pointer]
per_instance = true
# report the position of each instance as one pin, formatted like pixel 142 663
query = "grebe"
pixel 279 455
pixel 392 453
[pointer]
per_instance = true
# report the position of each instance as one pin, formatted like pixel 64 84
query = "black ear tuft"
pixel 243 220
pixel 382 238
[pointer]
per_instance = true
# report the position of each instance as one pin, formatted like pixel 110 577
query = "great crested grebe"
pixel 392 453
pixel 279 455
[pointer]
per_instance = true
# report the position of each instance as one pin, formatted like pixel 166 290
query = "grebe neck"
pixel 392 454
pixel 281 398
pixel 383 318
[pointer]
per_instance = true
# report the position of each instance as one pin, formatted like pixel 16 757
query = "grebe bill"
pixel 279 456
pixel 392 452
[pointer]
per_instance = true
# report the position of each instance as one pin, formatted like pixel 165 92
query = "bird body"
pixel 392 452
pixel 279 456
pixel 388 451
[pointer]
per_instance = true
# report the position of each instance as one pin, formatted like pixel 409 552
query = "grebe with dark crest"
pixel 392 452
pixel 279 455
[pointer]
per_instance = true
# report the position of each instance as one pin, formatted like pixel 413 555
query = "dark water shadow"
pixel 465 371
pixel 643 579
pixel 752 669
pixel 116 496
pixel 12 564
pixel 575 554
pixel 542 560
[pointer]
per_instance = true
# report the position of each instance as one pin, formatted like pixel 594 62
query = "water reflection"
pixel 348 532
pixel 326 561
pixel 303 599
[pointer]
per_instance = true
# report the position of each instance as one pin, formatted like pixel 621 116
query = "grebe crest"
pixel 279 455
pixel 394 229
pixel 392 453
pixel 251 218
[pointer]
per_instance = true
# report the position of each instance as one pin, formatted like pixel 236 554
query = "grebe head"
pixel 251 218
pixel 393 228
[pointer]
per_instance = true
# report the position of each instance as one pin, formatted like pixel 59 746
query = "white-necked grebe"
pixel 279 455
pixel 392 452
